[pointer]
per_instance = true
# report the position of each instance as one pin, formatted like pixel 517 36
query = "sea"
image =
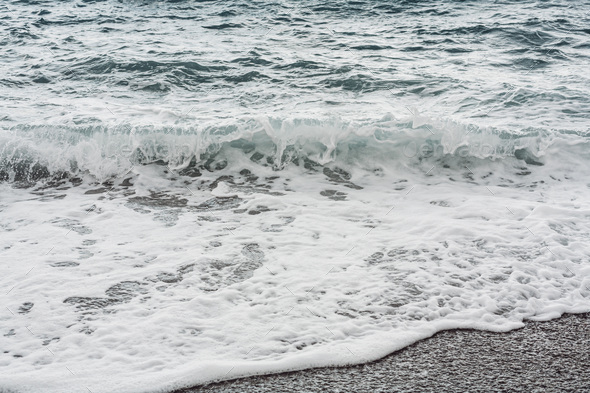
pixel 193 191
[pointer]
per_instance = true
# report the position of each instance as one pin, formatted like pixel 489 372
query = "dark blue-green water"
pixel 174 80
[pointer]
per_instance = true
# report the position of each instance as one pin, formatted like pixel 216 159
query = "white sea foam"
pixel 156 289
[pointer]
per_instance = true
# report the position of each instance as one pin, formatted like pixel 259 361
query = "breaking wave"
pixel 29 153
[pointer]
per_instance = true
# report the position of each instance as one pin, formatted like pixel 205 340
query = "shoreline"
pixel 542 356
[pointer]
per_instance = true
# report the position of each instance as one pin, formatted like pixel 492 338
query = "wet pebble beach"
pixel 551 356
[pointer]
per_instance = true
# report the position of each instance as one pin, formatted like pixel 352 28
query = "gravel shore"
pixel 551 356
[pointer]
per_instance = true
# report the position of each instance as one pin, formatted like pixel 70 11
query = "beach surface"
pixel 551 356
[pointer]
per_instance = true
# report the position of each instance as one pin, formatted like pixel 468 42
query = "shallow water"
pixel 201 191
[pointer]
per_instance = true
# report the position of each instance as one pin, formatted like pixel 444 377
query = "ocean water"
pixel 196 191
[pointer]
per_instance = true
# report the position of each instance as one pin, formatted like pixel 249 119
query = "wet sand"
pixel 552 356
